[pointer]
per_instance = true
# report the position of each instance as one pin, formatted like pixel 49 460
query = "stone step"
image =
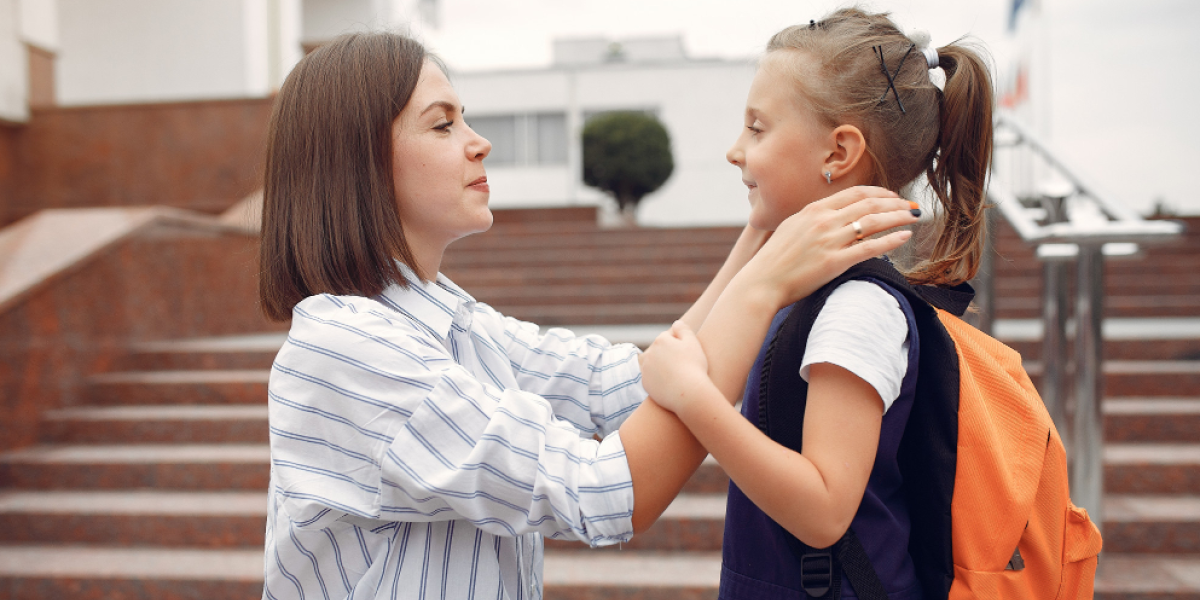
pixel 232 386
pixel 37 572
pixel 1144 468
pixel 157 424
pixel 134 518
pixel 1148 577
pixel 1009 307
pixel 1133 349
pixel 254 351
pixel 1152 524
pixel 1141 378
pixel 1162 419
pixel 138 466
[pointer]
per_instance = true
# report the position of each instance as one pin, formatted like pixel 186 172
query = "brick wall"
pixel 202 156
pixel 162 282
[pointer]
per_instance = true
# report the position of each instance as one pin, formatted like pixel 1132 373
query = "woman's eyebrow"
pixel 442 104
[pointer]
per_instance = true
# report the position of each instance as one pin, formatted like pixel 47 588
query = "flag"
pixel 1014 14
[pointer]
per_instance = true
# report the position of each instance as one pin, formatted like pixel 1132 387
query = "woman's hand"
pixel 820 242
pixel 673 366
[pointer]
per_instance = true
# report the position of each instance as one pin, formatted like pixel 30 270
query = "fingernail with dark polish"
pixel 916 212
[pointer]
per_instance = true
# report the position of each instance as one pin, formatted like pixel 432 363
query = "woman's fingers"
pixel 874 205
pixel 877 222
pixel 873 247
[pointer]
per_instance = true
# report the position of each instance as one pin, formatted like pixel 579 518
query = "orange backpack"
pixel 1011 484
pixel 985 472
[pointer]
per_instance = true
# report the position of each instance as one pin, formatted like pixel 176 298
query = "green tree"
pixel 627 155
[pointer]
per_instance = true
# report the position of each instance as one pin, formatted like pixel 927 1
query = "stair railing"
pixel 1051 205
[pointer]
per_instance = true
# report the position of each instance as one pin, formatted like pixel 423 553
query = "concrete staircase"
pixel 153 486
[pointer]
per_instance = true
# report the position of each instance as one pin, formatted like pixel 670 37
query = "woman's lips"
pixel 480 184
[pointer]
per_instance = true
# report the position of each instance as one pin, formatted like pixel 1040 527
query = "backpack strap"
pixel 927 459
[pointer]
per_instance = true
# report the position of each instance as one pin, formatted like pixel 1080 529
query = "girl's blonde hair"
pixel 945 134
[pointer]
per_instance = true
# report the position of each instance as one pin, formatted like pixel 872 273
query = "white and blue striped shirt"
pixel 422 444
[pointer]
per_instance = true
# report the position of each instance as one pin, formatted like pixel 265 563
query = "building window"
pixel 524 139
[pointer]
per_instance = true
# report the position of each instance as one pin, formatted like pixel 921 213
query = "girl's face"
pixel 441 188
pixel 782 148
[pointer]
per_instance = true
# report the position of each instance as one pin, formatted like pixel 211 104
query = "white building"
pixel 135 51
pixel 534 118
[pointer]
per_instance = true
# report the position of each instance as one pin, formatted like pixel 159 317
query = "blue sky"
pixel 1122 79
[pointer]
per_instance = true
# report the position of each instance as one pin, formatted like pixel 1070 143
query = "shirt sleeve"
pixel 863 330
pixel 587 380
pixel 372 421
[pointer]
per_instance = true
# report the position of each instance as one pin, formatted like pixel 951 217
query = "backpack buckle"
pixel 816 573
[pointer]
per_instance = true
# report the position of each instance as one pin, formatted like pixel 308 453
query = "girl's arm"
pixel 806 251
pixel 828 477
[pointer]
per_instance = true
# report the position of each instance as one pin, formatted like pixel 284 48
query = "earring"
pixel 828 177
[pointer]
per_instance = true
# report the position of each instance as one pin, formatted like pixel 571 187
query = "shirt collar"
pixel 434 305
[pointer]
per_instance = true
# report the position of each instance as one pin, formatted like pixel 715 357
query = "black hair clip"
pixel 812 24
pixel 891 77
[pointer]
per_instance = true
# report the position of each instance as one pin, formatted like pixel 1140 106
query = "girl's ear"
pixel 849 145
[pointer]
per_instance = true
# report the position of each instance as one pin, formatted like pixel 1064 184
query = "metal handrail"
pixel 1054 222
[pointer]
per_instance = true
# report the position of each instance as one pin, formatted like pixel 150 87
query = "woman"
pixel 421 443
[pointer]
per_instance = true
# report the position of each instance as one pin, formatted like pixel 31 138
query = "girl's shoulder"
pixel 862 329
pixel 863 299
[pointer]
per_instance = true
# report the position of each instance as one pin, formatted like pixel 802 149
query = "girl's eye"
pixel 754 129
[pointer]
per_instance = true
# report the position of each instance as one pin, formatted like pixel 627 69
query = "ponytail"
pixel 958 173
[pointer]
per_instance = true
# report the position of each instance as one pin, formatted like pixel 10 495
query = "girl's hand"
pixel 674 365
pixel 819 243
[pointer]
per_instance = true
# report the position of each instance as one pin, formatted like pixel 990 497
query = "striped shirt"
pixel 422 445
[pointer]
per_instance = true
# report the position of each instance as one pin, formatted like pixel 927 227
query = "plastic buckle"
pixel 816 573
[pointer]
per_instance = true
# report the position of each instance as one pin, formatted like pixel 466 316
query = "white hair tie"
pixel 931 57
pixel 921 40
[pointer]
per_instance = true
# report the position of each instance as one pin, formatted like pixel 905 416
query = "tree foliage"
pixel 626 154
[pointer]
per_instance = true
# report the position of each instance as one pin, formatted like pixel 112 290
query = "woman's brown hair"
pixel 330 222
pixel 945 134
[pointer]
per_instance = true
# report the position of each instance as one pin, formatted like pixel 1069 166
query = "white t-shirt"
pixel 863 330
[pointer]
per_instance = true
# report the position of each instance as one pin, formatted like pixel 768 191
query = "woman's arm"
pixel 808 250
pixel 828 477
pixel 748 243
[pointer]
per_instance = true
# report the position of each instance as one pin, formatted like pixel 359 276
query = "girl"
pixel 421 443
pixel 844 101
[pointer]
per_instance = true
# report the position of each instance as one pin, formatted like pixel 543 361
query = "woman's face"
pixel 437 165
pixel 782 148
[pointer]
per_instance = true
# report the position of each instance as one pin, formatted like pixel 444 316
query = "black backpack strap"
pixel 858 568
